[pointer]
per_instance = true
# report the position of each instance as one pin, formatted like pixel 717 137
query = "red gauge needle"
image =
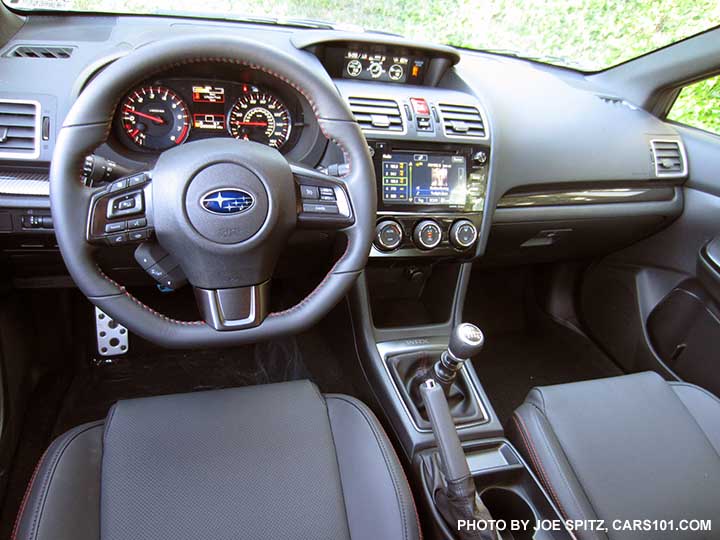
pixel 156 119
pixel 263 124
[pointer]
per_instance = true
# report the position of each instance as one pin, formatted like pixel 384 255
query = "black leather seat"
pixel 625 448
pixel 279 461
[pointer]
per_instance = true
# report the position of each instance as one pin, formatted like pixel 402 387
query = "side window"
pixel 698 105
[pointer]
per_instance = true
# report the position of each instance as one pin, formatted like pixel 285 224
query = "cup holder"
pixel 508 506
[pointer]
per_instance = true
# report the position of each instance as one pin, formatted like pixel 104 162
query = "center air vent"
pixel 19 129
pixel 376 114
pixel 669 157
pixel 462 120
pixel 38 51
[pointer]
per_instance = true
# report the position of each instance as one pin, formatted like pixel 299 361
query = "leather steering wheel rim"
pixel 88 124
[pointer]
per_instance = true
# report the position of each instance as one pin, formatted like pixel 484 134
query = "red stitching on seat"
pixel 534 456
pixel 26 497
pixel 407 483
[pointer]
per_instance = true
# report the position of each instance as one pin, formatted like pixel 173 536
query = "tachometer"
pixel 261 117
pixel 155 118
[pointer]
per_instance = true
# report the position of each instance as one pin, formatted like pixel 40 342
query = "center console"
pixel 431 149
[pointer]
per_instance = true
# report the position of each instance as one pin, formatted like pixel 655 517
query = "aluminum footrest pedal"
pixel 112 337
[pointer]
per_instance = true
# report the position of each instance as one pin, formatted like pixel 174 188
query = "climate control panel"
pixel 410 235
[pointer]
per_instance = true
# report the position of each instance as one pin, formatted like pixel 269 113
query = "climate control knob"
pixel 427 234
pixel 463 234
pixel 388 235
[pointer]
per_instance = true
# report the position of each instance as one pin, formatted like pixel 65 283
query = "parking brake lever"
pixel 459 500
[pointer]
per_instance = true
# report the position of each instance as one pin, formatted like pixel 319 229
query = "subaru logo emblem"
pixel 227 201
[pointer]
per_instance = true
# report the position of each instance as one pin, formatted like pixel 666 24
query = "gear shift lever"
pixel 466 341
pixel 458 500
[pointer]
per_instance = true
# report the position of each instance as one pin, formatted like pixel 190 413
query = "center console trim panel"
pixel 387 349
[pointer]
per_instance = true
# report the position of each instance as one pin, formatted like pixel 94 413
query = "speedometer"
pixel 261 117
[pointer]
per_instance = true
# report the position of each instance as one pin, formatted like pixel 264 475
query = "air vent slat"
pixel 17 108
pixel 16 143
pixel 39 51
pixel 19 129
pixel 376 114
pixel 462 120
pixel 14 120
pixel 669 158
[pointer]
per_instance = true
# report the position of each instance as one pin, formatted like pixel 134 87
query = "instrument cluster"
pixel 157 116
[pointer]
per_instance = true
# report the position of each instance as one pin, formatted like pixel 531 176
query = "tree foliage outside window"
pixel 585 34
pixel 698 105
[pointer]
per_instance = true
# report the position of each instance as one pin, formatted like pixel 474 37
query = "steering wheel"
pixel 222 208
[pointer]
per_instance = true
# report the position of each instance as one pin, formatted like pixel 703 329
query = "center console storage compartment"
pixel 505 485
pixel 408 294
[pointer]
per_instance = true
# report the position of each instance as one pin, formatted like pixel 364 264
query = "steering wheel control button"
pixel 119 185
pixel 116 227
pixel 138 223
pixel 463 234
pixel 309 192
pixel 327 194
pixel 139 236
pixel 427 234
pixel 123 205
pixel 388 235
pixel 319 208
pixel 137 180
pixel 117 239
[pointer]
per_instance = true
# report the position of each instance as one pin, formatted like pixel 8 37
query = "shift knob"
pixel 466 341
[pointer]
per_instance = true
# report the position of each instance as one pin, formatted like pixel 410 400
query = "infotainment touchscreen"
pixel 423 178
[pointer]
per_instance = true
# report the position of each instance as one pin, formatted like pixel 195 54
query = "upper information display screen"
pixel 420 178
pixel 382 66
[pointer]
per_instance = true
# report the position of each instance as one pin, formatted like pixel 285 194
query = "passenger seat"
pixel 625 448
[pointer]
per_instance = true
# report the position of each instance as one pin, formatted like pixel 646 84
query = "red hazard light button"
pixel 420 106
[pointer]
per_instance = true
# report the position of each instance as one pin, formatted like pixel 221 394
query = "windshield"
pixel 585 34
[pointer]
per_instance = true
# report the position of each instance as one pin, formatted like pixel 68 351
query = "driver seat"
pixel 278 461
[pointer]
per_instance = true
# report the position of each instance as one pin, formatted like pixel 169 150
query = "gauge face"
pixel 261 117
pixel 154 118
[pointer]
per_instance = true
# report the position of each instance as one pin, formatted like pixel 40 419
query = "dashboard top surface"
pixel 541 124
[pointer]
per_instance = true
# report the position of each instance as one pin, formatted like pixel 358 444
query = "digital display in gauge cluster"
pixel 383 66
pixel 160 116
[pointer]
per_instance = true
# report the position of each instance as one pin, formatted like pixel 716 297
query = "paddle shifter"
pixel 466 341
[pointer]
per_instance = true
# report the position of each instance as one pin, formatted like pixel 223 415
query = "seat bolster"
pixel 704 407
pixel 531 434
pixel 62 501
pixel 377 495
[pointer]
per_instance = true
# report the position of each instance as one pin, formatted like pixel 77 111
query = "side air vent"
pixel 38 51
pixel 19 129
pixel 462 121
pixel 376 114
pixel 669 158
pixel 615 100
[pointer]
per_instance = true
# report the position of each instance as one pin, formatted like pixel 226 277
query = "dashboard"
pixel 458 138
